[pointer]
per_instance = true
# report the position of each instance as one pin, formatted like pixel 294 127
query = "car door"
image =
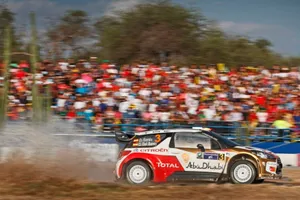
pixel 192 159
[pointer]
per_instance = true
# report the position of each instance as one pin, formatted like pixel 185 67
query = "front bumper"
pixel 271 176
pixel 273 170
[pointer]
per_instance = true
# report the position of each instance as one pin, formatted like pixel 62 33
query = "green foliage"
pixel 69 32
pixel 183 36
pixel 149 31
pixel 157 31
pixel 7 19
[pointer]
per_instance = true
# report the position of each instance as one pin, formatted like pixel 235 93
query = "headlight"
pixel 261 154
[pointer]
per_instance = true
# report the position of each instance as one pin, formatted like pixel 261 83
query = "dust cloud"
pixel 31 152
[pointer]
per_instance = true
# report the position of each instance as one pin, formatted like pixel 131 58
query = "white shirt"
pixel 164 116
pixel 124 106
pixel 96 102
pixel 61 102
pixel 79 104
pixel 236 116
pixel 154 117
pixel 165 94
pixel 152 107
pixel 209 113
pixel 145 92
pixel 262 116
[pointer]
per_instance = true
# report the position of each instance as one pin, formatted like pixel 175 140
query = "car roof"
pixel 175 130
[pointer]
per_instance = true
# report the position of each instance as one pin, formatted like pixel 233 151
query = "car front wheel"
pixel 138 172
pixel 242 172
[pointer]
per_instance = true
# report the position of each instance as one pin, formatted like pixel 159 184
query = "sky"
pixel 275 20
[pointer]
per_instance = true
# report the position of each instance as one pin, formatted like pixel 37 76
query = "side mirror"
pixel 201 147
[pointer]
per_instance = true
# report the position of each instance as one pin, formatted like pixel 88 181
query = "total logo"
pixel 167 165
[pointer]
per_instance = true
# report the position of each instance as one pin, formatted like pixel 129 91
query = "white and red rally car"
pixel 192 154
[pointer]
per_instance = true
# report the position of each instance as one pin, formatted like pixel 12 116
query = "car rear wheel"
pixel 242 172
pixel 138 172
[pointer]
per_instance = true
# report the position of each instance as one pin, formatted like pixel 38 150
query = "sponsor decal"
pixel 222 156
pixel 211 156
pixel 135 150
pixel 185 157
pixel 205 165
pixel 271 167
pixel 154 150
pixel 167 165
pixel 200 155
pixel 151 140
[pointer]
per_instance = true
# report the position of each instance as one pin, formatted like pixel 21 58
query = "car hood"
pixel 248 148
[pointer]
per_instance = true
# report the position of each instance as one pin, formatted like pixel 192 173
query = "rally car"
pixel 194 154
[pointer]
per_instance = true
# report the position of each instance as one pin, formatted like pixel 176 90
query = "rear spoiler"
pixel 124 137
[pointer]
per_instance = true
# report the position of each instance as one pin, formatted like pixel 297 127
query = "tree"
pixel 70 32
pixel 263 43
pixel 214 47
pixel 7 19
pixel 151 31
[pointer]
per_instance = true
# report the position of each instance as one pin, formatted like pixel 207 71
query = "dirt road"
pixel 71 180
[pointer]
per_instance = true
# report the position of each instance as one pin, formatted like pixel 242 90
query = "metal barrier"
pixel 238 131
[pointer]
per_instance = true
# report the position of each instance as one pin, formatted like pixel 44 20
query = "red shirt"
pixel 20 74
pixel 23 65
pixel 163 74
pixel 252 117
pixel 149 74
pixel 104 66
pixel 125 73
pixel 261 100
pixel 115 88
pixel 272 109
pixel 71 115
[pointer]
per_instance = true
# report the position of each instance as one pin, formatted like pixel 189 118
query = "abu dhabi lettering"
pixel 204 165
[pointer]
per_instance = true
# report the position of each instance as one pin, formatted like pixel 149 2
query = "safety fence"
pixel 242 132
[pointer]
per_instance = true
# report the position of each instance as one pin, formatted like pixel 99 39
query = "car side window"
pixel 191 140
pixel 215 145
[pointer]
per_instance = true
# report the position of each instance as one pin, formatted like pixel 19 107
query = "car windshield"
pixel 221 139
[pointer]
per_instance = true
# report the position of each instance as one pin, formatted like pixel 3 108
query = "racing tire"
pixel 242 172
pixel 138 173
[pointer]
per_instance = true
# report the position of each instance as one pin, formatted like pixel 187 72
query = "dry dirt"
pixel 69 177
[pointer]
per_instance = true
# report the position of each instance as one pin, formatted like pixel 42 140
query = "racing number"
pixel 221 157
pixel 158 138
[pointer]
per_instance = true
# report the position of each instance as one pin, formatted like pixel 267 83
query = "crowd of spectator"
pixel 100 92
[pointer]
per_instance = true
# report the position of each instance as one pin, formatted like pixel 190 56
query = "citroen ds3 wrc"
pixel 194 154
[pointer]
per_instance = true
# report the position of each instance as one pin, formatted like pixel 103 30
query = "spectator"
pixel 282 125
pixel 87 91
